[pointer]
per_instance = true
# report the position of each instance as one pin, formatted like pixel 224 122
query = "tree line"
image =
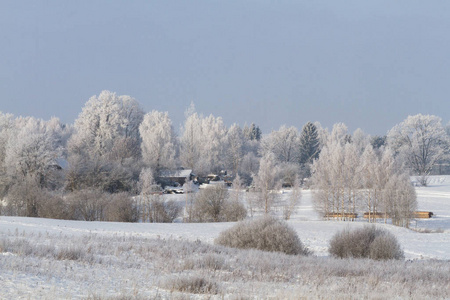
pixel 115 148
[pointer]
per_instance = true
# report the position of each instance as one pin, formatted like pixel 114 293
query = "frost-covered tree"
pixel 378 141
pixel 322 188
pixel 369 174
pixel 250 142
pixel 29 164
pixel 266 183
pixel 284 144
pixel 339 134
pixel 101 173
pixel 147 183
pixel 309 144
pixel 253 132
pixel 360 139
pixel 249 166
pixel 443 164
pixel 202 143
pixel 158 141
pixel 345 180
pixel 400 199
pixel 338 167
pixel 234 148
pixel 420 140
pixel 329 174
pixel 287 173
pixel 104 120
pixel 6 129
pixel 236 192
pixel 190 140
pixel 293 200
pixel 352 179
pixel 376 172
pixel 131 114
pixel 387 167
pixel 32 150
pixel 105 146
pixel 323 134
pixel 214 140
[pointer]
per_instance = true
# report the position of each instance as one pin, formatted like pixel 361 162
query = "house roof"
pixel 177 173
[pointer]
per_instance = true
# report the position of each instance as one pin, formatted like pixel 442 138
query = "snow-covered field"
pixel 34 274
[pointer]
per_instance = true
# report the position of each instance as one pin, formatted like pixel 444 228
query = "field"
pixel 55 259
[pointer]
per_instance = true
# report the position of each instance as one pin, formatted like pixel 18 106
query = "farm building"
pixel 176 177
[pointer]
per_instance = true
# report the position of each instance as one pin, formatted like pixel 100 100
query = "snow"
pixel 313 231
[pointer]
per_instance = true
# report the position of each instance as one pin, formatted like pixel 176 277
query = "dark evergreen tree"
pixel 252 133
pixel 378 141
pixel 255 132
pixel 309 144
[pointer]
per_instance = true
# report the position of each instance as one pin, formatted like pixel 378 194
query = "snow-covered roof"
pixel 177 173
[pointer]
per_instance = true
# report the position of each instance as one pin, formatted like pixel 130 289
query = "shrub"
pixel 54 207
pixel 121 208
pixel 234 211
pixel 385 246
pixel 366 242
pixel 212 204
pixel 25 197
pixel 88 204
pixel 266 233
pixel 155 209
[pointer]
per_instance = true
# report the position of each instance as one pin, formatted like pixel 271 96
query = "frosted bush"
pixel 121 208
pixel 54 207
pixel 367 242
pixel 234 211
pixel 88 204
pixel 385 246
pixel 213 205
pixel 266 233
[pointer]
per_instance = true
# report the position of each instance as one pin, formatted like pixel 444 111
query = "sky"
pixel 368 64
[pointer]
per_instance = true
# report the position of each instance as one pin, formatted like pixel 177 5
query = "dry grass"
pixel 129 267
pixel 192 284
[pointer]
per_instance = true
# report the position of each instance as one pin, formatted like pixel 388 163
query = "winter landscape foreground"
pixel 55 259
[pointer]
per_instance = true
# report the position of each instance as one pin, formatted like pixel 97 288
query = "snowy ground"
pixel 314 232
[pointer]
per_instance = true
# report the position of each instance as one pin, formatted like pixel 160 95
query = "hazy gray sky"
pixel 368 64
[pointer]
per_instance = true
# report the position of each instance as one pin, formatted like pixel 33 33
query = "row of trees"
pixel 352 177
pixel 113 140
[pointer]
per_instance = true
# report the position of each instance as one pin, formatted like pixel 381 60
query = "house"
pixel 175 177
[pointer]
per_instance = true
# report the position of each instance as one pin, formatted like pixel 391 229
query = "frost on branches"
pixel 104 150
pixel 420 141
pixel 347 182
pixel 158 141
pixel 202 143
